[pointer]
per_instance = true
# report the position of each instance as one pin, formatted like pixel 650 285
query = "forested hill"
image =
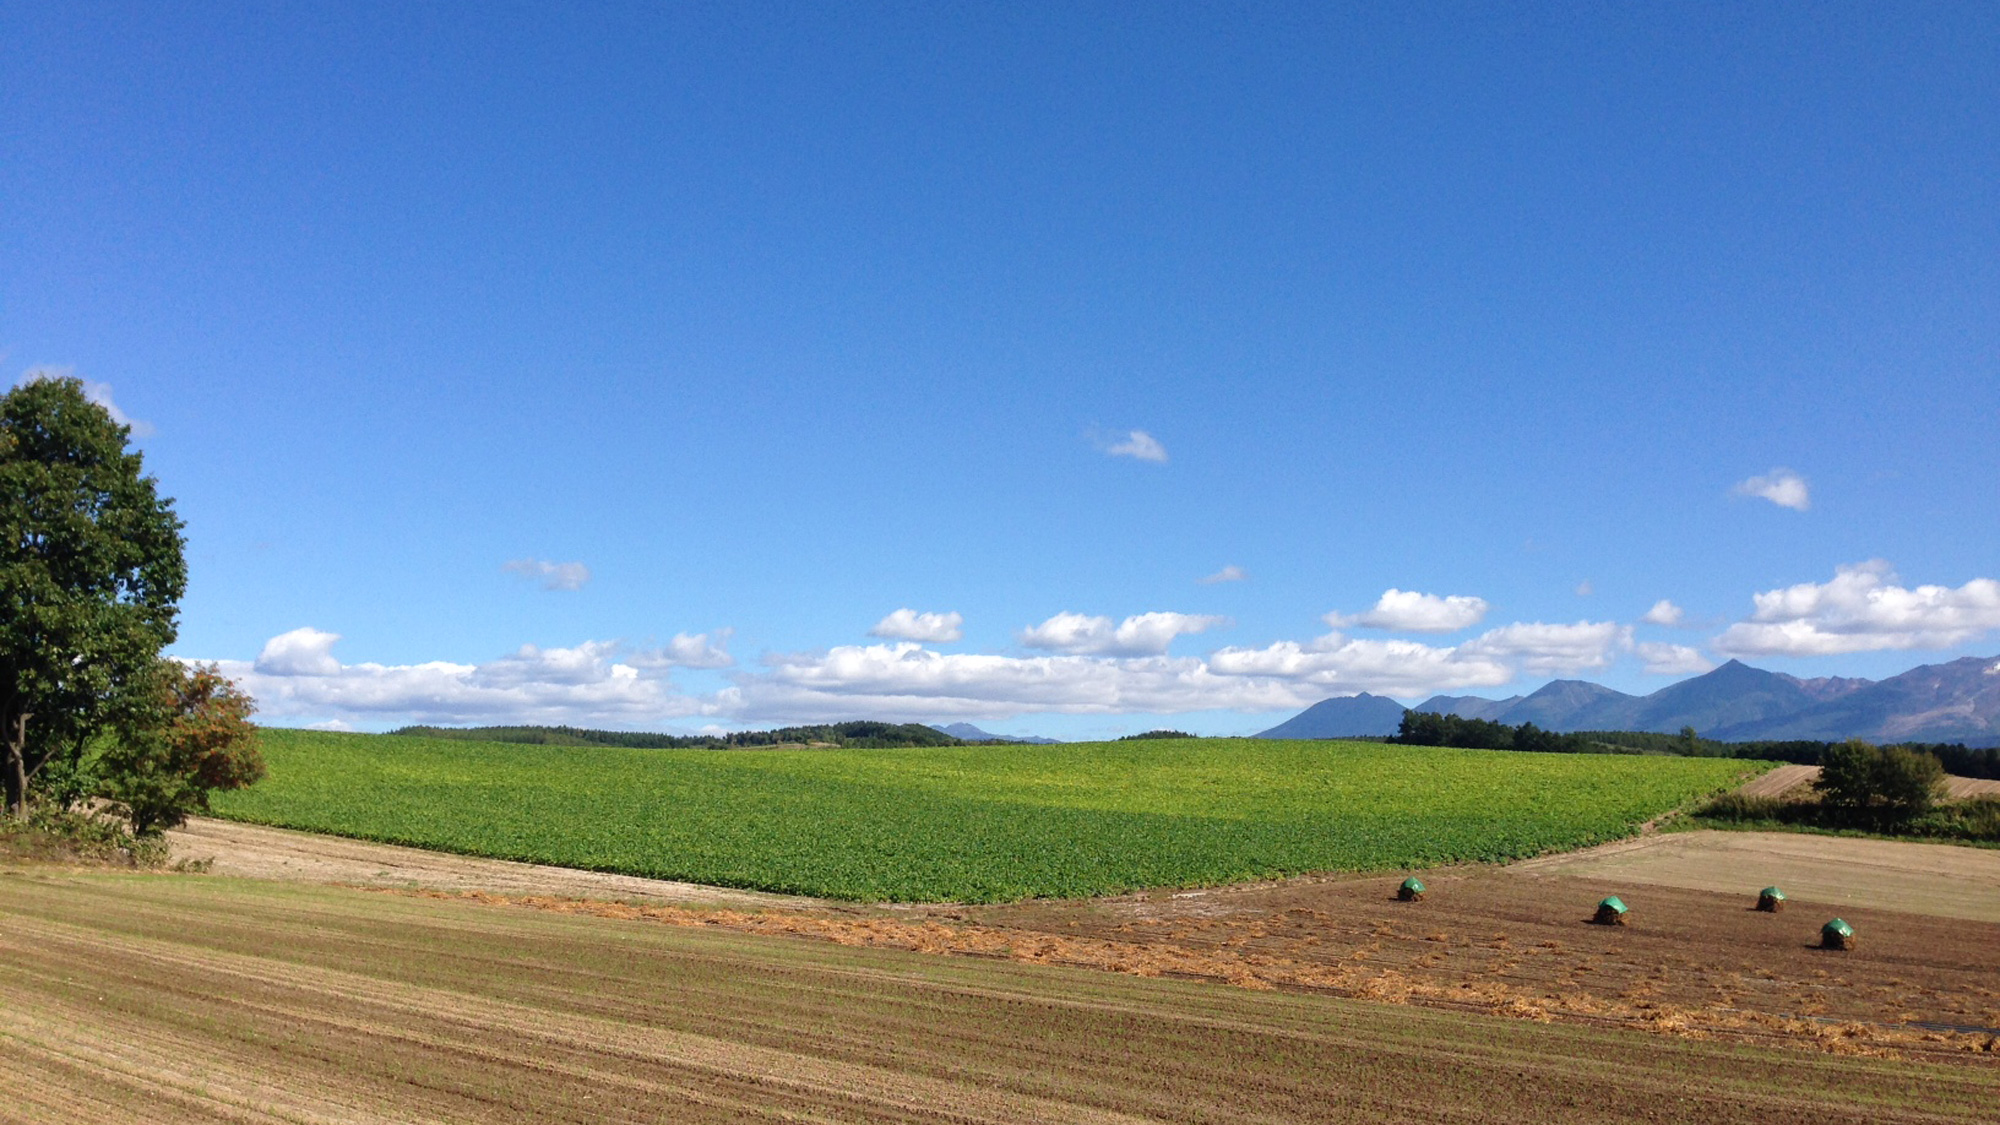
pixel 861 734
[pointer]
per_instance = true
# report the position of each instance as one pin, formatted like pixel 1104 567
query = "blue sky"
pixel 628 365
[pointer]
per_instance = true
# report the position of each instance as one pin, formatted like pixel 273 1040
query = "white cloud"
pixel 1145 634
pixel 588 663
pixel 1410 611
pixel 1672 660
pixel 1584 589
pixel 1140 446
pixel 1230 573
pixel 1552 649
pixel 297 677
pixel 1863 609
pixel 1090 665
pixel 1665 613
pixel 553 575
pixel 909 681
pixel 99 393
pixel 909 625
pixel 331 724
pixel 1335 665
pixel 688 650
pixel 301 652
pixel 1782 487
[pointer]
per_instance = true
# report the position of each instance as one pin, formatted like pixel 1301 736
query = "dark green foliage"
pixel 193 737
pixel 1881 786
pixel 91 571
pixel 1425 728
pixel 1428 728
pixel 1151 735
pixel 1976 819
pixel 1887 789
pixel 859 734
pixel 1743 808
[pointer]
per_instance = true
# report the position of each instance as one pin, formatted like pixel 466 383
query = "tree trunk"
pixel 14 771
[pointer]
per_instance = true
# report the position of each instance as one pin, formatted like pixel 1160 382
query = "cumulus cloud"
pixel 1672 660
pixel 298 676
pixel 1663 612
pixel 1230 573
pixel 302 652
pixel 688 650
pixel 1412 612
pixel 1553 649
pixel 909 625
pixel 552 575
pixel 909 680
pixel 1145 634
pixel 1140 446
pixel 1337 665
pixel 1863 609
pixel 1089 665
pixel 99 393
pixel 1782 487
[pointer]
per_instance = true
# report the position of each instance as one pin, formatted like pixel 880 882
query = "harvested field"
pixel 168 999
pixel 1834 872
pixel 1507 939
pixel 1493 939
pixel 1784 779
pixel 306 857
pixel 1779 781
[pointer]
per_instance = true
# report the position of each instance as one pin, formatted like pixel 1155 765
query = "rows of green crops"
pixel 978 823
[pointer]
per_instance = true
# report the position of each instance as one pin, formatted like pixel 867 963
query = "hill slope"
pixel 1354 716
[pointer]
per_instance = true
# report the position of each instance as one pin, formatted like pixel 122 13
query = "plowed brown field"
pixel 1693 960
pixel 177 998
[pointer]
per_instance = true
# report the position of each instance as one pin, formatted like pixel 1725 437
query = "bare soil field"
pixel 1779 781
pixel 1784 779
pixel 256 852
pixel 1514 940
pixel 165 998
pixel 1819 872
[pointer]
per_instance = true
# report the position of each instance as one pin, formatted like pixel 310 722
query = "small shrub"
pixel 1974 819
pixel 1741 806
pixel 54 834
pixel 1979 817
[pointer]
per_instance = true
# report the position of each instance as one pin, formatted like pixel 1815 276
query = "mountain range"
pixel 1953 702
pixel 970 733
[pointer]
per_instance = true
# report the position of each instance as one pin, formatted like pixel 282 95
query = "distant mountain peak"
pixel 1957 701
pixel 969 733
pixel 1346 716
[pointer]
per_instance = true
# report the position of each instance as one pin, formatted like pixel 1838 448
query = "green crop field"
pixel 978 823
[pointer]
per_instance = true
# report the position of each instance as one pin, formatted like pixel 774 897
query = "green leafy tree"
pixel 193 738
pixel 91 571
pixel 1908 783
pixel 1881 786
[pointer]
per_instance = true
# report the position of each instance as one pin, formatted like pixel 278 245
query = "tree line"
pixel 1429 728
pixel 92 568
